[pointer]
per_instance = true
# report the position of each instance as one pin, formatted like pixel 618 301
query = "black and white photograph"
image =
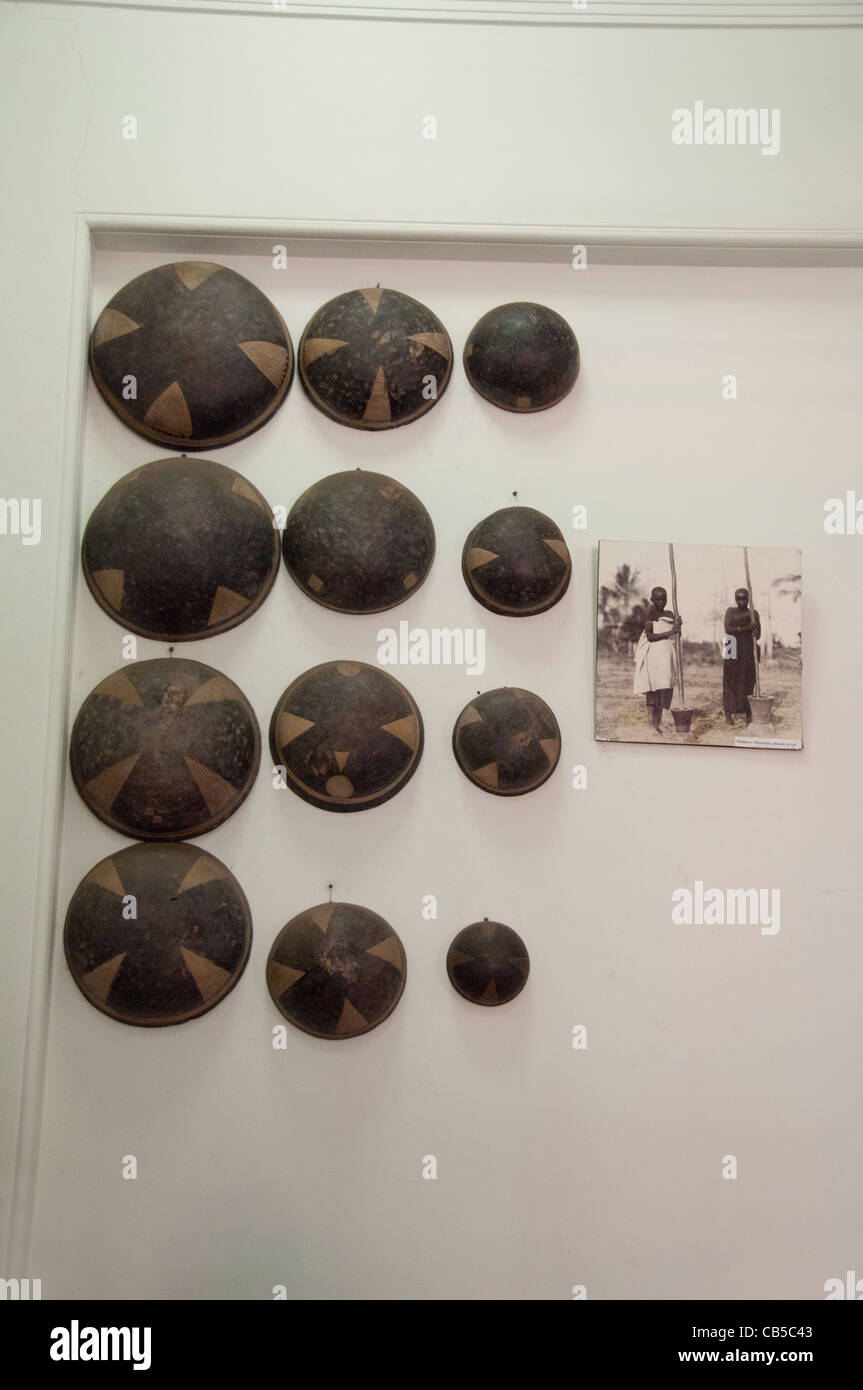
pixel 699 644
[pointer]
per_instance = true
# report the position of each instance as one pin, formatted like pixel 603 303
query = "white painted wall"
pixel 608 1161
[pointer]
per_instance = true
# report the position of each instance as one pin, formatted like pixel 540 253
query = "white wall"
pixel 283 118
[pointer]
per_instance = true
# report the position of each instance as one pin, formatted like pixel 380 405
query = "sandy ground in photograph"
pixel 623 717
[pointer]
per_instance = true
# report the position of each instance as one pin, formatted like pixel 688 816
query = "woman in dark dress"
pixel 738 669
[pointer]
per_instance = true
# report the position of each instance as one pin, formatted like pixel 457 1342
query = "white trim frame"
pixel 605 245
pixel 712 14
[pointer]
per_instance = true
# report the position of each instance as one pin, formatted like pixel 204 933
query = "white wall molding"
pixel 733 14
pixel 491 241
pixel 209 236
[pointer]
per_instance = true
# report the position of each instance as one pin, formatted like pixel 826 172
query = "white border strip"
pixel 735 14
pixel 45 908
pixel 483 235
